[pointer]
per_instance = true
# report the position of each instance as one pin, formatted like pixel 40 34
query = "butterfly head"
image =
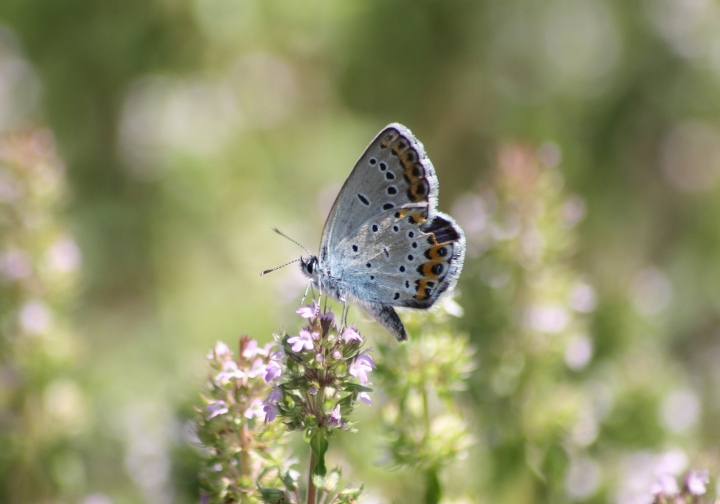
pixel 309 266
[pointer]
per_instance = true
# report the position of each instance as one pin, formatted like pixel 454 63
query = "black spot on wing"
pixel 363 199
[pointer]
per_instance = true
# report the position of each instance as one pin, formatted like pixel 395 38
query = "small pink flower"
pixel 250 350
pixel 217 408
pixel 302 342
pixel 335 415
pixel 696 482
pixel 361 366
pixel 350 334
pixel 365 397
pixel 257 368
pixel 308 312
pixel 256 409
pixel 665 485
pixel 230 370
pixel 221 352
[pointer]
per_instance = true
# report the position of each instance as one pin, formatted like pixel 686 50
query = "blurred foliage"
pixel 43 410
pixel 577 142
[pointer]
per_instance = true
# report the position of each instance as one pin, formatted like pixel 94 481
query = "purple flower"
pixel 272 371
pixel 217 408
pixel 274 396
pixel 361 366
pixel 328 317
pixel 303 341
pixel 335 415
pixel 271 411
pixel 270 404
pixel 365 397
pixel 696 482
pixel 308 312
pixel 350 334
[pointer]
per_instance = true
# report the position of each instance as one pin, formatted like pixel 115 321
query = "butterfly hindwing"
pixel 402 259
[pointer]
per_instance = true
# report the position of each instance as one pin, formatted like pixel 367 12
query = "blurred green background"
pixel 176 133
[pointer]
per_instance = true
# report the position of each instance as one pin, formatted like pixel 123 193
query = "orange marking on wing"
pixel 438 252
pixel 414 172
pixel 400 146
pixel 418 218
pixel 388 138
pixel 408 158
pixel 423 291
pixel 426 270
pixel 419 191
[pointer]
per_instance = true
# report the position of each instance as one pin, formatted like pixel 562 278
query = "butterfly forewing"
pixel 394 172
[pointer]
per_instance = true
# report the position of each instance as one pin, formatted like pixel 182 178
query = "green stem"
pixel 312 491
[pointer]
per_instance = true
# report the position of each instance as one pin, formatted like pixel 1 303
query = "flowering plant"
pixel 311 384
pixel 241 451
pixel 318 378
pixel 666 489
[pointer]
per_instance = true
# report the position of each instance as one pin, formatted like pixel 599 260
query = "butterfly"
pixel 384 244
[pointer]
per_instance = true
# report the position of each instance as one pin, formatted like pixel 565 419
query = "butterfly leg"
pixel 343 317
pixel 307 289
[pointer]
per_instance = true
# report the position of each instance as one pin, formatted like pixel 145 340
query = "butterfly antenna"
pixel 295 242
pixel 277 268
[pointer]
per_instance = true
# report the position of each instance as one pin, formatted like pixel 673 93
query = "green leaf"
pixel 319 445
pixel 356 387
pixel 289 479
pixel 272 495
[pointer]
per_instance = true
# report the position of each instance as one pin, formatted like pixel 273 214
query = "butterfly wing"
pixel 384 243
